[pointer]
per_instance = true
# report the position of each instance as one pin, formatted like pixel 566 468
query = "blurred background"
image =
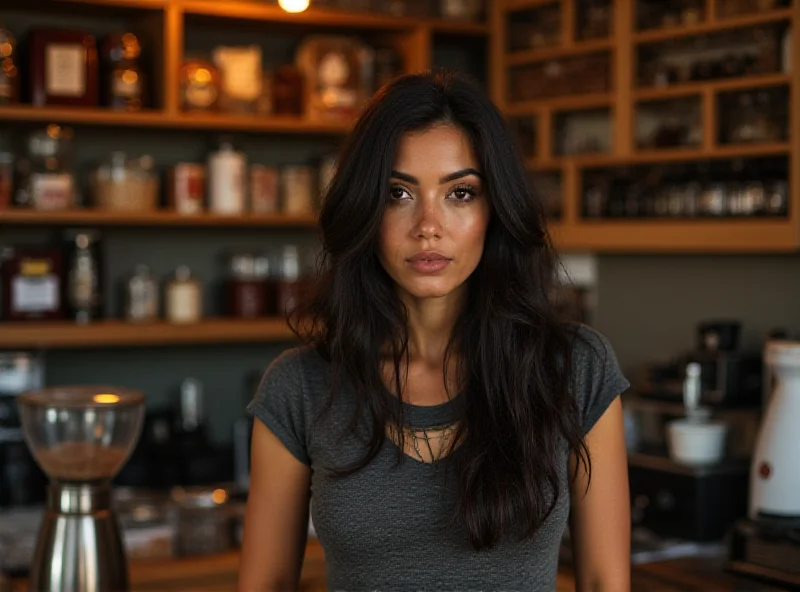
pixel 161 166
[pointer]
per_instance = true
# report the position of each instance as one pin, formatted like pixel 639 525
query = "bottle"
pixel 125 79
pixel 141 296
pixel 183 301
pixel 83 297
pixel 226 176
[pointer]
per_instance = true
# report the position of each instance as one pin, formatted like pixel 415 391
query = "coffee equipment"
pixel 691 427
pixel 731 377
pixel 767 544
pixel 80 437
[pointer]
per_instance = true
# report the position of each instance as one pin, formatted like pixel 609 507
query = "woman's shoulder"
pixel 302 362
pixel 597 376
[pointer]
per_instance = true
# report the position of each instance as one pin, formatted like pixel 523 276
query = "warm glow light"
pixel 106 398
pixel 293 5
pixel 219 496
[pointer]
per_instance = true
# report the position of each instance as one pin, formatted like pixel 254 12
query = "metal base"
pixel 79 548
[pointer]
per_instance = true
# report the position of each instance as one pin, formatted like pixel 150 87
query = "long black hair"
pixel 514 353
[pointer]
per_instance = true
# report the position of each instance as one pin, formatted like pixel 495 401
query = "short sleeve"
pixel 279 403
pixel 598 378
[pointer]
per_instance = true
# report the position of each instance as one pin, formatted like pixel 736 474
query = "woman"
pixel 444 419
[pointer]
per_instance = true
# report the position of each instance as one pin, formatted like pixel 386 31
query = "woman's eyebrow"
pixel 446 179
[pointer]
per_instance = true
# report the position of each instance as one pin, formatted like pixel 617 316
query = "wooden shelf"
pixel 679 236
pixel 161 218
pixel 580 48
pixel 234 9
pixel 99 116
pixel 658 156
pixel 567 103
pixel 117 333
pixel 713 26
pixel 716 86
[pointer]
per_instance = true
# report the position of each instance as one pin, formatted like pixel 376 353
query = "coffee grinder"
pixel 767 544
pixel 80 437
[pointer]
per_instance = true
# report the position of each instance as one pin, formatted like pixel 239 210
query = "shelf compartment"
pixel 716 26
pixel 116 333
pixel 563 78
pixel 750 189
pixel 24 217
pixel 669 124
pixel 716 86
pixel 752 117
pixel 525 129
pixel 548 186
pixel 536 28
pixel 753 52
pixel 588 131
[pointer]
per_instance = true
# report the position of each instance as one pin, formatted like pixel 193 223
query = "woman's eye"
pixel 398 193
pixel 463 193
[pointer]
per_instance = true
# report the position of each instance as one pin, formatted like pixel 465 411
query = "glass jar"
pixel 297 187
pixel 264 189
pixel 141 296
pixel 9 73
pixel 125 79
pixel 183 300
pixel 126 185
pixel 245 288
pixel 199 85
pixel 50 182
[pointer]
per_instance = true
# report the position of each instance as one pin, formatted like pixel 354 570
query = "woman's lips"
pixel 429 262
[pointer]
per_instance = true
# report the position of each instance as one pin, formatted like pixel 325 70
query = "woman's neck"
pixel 430 326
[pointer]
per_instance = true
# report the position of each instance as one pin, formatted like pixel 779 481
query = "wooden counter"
pixel 218 574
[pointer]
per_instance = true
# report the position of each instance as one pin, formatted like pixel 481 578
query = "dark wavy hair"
pixel 514 357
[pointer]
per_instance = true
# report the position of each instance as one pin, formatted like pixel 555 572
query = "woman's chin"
pixel 427 289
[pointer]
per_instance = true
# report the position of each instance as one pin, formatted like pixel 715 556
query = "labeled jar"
pixel 245 287
pixel 183 298
pixel 32 282
pixel 199 85
pixel 49 179
pixel 141 296
pixel 84 295
pixel 297 185
pixel 187 188
pixel 264 189
pixel 226 181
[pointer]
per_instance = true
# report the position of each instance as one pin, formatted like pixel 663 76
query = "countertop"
pixel 218 574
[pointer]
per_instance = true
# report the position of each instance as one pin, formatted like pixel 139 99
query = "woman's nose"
pixel 429 224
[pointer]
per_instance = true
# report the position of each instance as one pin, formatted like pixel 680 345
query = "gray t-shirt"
pixel 389 527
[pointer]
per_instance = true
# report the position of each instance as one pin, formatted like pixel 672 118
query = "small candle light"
pixel 293 5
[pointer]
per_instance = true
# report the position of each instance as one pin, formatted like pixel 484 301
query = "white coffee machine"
pixel 766 545
pixel 775 469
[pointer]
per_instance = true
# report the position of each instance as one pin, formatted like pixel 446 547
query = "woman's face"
pixel 434 226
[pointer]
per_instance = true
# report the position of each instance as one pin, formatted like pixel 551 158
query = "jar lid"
pixel 242 265
pixel 183 273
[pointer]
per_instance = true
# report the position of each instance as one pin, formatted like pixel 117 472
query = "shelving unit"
pixel 700 235
pixel 166 27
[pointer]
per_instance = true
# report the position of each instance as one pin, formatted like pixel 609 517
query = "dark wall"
pixel 648 306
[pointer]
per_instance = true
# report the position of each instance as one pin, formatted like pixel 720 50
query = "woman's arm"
pixel 600 524
pixel 276 520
